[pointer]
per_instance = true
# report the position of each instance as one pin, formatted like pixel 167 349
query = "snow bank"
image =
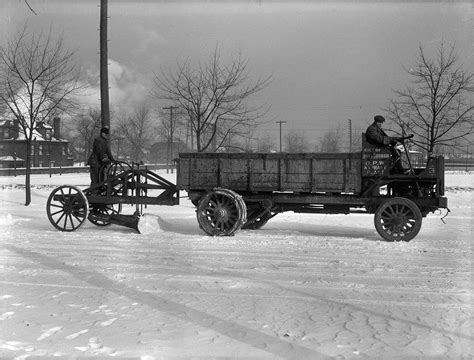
pixel 6 220
pixel 149 224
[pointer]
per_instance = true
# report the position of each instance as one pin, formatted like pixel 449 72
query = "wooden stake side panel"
pixel 252 172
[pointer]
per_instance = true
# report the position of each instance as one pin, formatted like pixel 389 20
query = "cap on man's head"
pixel 379 118
pixel 104 130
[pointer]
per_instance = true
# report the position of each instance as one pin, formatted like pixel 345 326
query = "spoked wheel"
pixel 114 169
pixel 256 218
pixel 398 219
pixel 67 208
pixel 100 213
pixel 117 182
pixel 221 212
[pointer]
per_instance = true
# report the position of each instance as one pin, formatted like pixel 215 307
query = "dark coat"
pixel 376 136
pixel 100 153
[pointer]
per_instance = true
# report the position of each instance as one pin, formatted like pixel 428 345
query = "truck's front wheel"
pixel 398 219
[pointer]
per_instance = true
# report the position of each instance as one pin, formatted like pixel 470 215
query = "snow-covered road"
pixel 304 286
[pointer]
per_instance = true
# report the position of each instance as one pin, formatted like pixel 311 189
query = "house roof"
pixel 21 102
pixel 10 158
pixel 36 133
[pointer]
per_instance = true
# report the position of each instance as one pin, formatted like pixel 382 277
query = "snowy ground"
pixel 302 287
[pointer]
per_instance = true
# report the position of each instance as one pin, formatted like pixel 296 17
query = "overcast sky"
pixel 330 61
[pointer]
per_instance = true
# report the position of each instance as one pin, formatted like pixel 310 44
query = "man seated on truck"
pixel 376 136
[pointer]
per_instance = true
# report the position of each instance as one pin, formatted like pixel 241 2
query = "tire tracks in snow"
pixel 210 321
pixel 255 338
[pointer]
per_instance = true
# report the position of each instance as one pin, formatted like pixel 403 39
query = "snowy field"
pixel 305 286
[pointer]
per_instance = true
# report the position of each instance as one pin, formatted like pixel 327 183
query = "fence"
pixel 449 164
pixel 68 170
pixel 459 164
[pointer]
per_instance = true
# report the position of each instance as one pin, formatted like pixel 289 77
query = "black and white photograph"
pixel 236 179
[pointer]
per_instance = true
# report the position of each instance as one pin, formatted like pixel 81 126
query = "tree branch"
pixel 29 7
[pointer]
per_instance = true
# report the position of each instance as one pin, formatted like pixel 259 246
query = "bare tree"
pixel 296 142
pixel 437 107
pixel 356 144
pixel 266 144
pixel 215 97
pixel 82 130
pixel 337 140
pixel 104 79
pixel 138 130
pixel 332 141
pixel 170 128
pixel 248 141
pixel 30 7
pixel 238 139
pixel 38 80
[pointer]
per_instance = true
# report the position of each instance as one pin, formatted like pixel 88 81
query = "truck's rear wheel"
pixel 221 212
pixel 398 219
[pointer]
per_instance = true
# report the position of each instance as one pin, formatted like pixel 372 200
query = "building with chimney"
pixel 48 149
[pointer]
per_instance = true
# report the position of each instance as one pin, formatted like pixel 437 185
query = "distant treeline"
pixel 284 1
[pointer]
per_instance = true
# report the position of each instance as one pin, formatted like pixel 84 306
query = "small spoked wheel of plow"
pixel 115 175
pixel 116 168
pixel 67 208
pixel 99 214
pixel 398 219
pixel 221 212
pixel 113 169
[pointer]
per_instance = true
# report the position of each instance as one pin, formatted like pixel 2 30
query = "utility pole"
pixel 350 143
pixel 467 157
pixel 104 76
pixel 187 133
pixel 170 138
pixel 350 135
pixel 280 122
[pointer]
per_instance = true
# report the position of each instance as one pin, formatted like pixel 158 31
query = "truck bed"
pixel 269 172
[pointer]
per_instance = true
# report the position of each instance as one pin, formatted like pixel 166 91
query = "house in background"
pixel 47 148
